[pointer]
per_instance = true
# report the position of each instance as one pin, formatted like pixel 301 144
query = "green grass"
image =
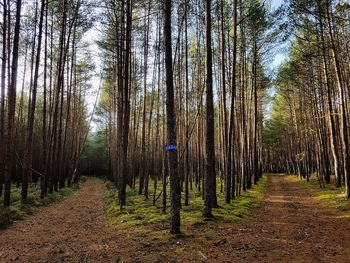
pixel 332 196
pixel 139 212
pixel 19 210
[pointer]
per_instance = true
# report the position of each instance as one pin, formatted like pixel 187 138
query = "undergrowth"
pixel 139 212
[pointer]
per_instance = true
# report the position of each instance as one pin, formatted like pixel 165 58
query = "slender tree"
pixel 210 177
pixel 175 191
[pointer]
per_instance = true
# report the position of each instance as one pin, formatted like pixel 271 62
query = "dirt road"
pixel 73 230
pixel 290 226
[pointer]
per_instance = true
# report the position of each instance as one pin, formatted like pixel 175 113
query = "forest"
pixel 198 126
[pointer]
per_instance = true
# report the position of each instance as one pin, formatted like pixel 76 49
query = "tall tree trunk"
pixel 126 110
pixel 226 161
pixel 256 115
pixel 175 191
pixel 11 93
pixel 143 135
pixel 342 102
pixel 210 177
pixel 230 147
pixel 187 150
pixel 29 143
pixel 44 179
pixel 2 96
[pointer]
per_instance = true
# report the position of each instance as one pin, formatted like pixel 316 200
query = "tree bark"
pixel 175 191
pixel 210 177
pixel 11 93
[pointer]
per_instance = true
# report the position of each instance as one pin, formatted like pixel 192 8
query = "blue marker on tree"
pixel 170 148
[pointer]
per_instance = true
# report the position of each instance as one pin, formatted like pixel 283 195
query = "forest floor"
pixel 290 226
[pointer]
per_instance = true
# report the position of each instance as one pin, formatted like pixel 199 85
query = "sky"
pixel 278 59
pixel 276 3
pixel 279 56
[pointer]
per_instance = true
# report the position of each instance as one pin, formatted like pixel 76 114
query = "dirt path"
pixel 73 230
pixel 291 226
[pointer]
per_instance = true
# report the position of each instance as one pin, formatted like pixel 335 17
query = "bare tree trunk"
pixel 342 102
pixel 143 135
pixel 29 143
pixel 175 191
pixel 2 96
pixel 230 147
pixel 126 110
pixel 11 93
pixel 210 177
pixel 44 179
pixel 187 150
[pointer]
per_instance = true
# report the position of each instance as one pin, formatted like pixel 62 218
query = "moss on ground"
pixel 139 212
pixel 19 210
pixel 331 195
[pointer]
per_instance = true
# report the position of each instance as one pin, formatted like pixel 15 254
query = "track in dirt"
pixel 73 230
pixel 290 226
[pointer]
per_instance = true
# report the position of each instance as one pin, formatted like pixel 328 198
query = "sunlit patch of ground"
pixel 141 214
pixel 331 195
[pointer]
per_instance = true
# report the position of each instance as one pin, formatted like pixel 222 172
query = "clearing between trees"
pixel 290 226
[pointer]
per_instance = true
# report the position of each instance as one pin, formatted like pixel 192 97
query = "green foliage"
pixel 19 210
pixel 94 159
pixel 140 213
pixel 280 122
pixel 96 144
pixel 273 131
